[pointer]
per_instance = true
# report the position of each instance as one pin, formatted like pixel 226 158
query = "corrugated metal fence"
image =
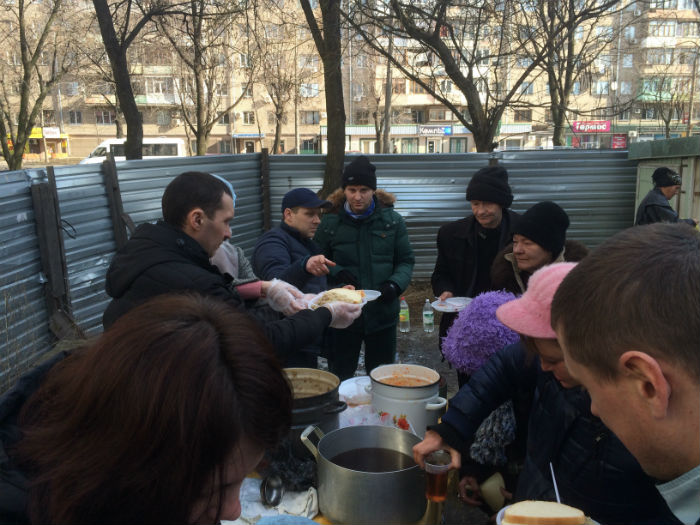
pixel 595 187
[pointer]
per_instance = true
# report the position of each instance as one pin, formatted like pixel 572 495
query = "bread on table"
pixel 340 294
pixel 542 513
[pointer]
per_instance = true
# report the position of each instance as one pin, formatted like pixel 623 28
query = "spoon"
pixel 271 490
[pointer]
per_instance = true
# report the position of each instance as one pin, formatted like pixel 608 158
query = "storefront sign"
pixel 51 133
pixel 591 126
pixel 619 141
pixel 435 130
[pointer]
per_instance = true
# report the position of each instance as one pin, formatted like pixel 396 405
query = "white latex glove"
pixel 343 313
pixel 283 297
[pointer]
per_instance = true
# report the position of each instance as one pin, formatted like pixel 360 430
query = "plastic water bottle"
pixel 428 318
pixel 404 316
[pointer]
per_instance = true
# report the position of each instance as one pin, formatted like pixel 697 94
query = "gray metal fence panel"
pixel 88 238
pixel 142 184
pixel 24 335
pixel 595 187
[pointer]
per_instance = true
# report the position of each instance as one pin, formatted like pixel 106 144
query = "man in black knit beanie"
pixel 467 247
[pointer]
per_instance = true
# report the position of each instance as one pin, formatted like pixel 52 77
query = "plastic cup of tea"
pixel 437 464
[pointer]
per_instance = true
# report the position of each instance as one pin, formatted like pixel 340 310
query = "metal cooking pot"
pixel 315 403
pixel 352 493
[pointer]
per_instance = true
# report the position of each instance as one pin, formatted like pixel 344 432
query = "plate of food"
pixel 340 294
pixel 451 305
pixel 532 512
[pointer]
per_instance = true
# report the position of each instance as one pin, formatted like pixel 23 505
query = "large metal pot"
pixel 315 403
pixel 408 392
pixel 352 493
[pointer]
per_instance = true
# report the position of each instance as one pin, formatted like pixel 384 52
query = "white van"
pixel 153 148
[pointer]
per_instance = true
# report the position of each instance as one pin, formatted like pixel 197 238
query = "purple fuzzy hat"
pixel 477 333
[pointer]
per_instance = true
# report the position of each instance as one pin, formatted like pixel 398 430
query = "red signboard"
pixel 619 141
pixel 591 126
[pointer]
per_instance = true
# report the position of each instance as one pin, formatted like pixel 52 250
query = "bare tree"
pixel 327 39
pixel 120 24
pixel 461 52
pixel 203 36
pixel 39 55
pixel 569 38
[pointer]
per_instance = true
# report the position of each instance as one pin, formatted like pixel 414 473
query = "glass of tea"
pixel 436 466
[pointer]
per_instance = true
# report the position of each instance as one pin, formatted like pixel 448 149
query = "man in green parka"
pixel 369 243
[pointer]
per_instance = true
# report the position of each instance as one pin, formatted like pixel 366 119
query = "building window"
pixel 658 57
pixel 221 89
pixel 70 89
pixel 225 146
pixel 49 117
pixel 522 115
pixel 663 4
pixel 439 115
pixel 416 88
pixel 662 28
pixel 273 31
pixel 159 85
pixel 624 115
pixel 417 116
pixel 308 62
pixel 309 90
pixel 458 145
pixel 248 117
pixel 687 29
pixel 527 88
pixel 629 32
pixel 247 91
pixel 244 59
pixel 75 117
pixel 309 146
pixel 576 88
pixel 361 117
pixel 649 114
pixel 362 61
pixel 625 88
pixel 524 62
pixel 104 117
pixel 604 31
pixel 358 91
pixel 602 87
pixel 163 118
pixel 398 86
pixel 225 118
pixel 446 86
pixel 310 117
pixel 628 60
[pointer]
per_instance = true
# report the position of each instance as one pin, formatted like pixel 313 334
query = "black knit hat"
pixel 490 184
pixel 544 223
pixel 663 177
pixel 360 172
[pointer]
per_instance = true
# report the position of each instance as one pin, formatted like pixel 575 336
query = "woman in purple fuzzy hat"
pixel 499 442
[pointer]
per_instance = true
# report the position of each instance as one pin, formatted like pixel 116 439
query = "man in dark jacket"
pixel 369 243
pixel 467 247
pixel 594 470
pixel 173 256
pixel 655 207
pixel 287 252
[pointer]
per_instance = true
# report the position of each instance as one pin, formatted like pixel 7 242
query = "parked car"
pixel 153 148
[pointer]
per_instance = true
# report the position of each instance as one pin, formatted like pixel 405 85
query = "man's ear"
pixel 650 383
pixel 195 219
pixel 286 214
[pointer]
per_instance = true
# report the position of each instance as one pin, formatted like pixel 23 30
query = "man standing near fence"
pixel 467 247
pixel 172 256
pixel 369 243
pixel 655 206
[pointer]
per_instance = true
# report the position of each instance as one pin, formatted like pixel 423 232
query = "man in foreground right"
pixel 628 321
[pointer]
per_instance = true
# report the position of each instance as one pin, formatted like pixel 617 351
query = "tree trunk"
pixel 386 130
pixel 278 133
pixel 124 91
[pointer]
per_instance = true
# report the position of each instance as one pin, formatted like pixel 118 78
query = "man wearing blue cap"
pixel 287 252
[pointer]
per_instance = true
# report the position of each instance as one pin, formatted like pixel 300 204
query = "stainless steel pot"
pixel 393 495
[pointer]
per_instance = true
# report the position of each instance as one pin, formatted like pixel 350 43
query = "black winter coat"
pixel 13 482
pixel 655 208
pixel 455 267
pixel 160 259
pixel 594 470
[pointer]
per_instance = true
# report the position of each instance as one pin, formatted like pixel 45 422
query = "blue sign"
pixel 435 130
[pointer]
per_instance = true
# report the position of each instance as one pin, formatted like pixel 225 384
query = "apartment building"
pixel 639 87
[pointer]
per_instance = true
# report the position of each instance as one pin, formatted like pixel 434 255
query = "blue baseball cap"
pixel 303 197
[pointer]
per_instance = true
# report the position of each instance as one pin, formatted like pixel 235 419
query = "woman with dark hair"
pixel 157 421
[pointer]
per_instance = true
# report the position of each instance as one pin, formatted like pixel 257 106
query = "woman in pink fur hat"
pixel 594 470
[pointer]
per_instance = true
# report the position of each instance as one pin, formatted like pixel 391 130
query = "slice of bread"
pixel 542 513
pixel 341 294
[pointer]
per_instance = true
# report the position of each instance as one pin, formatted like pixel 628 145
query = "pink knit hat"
pixel 530 314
